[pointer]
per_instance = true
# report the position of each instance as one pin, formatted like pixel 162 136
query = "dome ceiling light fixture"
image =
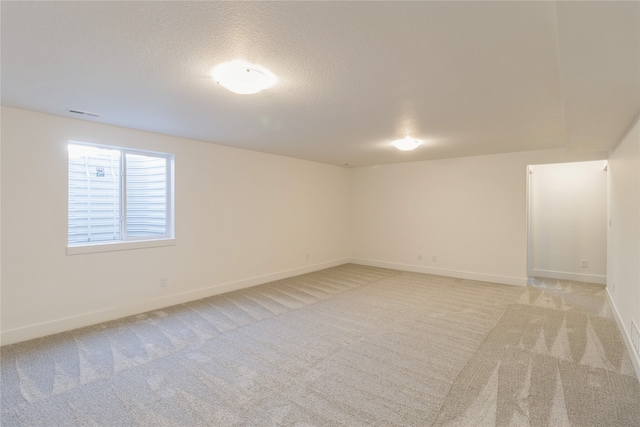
pixel 242 77
pixel 407 143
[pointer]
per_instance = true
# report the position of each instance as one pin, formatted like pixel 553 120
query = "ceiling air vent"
pixel 83 113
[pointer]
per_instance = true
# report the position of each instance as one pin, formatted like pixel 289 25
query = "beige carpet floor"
pixel 351 345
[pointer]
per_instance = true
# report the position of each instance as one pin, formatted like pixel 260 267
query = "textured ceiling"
pixel 469 78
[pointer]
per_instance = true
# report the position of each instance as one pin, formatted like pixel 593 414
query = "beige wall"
pixel 470 213
pixel 569 221
pixel 241 218
pixel 623 280
pixel 244 218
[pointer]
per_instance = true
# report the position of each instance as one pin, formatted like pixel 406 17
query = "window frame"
pixel 129 242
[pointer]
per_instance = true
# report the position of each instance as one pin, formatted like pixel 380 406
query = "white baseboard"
pixel 635 358
pixel 482 277
pixel 563 275
pixel 25 333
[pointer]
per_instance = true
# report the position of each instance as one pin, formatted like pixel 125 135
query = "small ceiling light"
pixel 242 77
pixel 407 144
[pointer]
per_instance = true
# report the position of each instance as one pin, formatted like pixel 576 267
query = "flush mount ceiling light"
pixel 242 77
pixel 407 144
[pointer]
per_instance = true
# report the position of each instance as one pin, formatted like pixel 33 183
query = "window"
pixel 118 195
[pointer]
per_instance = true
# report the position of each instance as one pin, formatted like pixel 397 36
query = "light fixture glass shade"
pixel 407 144
pixel 242 77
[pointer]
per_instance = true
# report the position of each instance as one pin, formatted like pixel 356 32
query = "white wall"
pixel 623 279
pixel 241 218
pixel 244 218
pixel 569 221
pixel 471 213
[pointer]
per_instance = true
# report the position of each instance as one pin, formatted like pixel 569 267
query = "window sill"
pixel 119 246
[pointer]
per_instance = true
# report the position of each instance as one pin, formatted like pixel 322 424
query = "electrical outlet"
pixel 163 282
pixel 307 257
pixel 419 257
pixel 584 263
pixel 434 258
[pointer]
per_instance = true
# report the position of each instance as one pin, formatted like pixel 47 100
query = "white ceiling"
pixel 469 78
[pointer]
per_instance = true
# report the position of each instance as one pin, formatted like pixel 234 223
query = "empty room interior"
pixel 320 213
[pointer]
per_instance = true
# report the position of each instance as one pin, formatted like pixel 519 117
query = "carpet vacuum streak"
pixel 350 345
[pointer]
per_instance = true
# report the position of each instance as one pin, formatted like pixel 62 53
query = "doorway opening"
pixel 567 221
